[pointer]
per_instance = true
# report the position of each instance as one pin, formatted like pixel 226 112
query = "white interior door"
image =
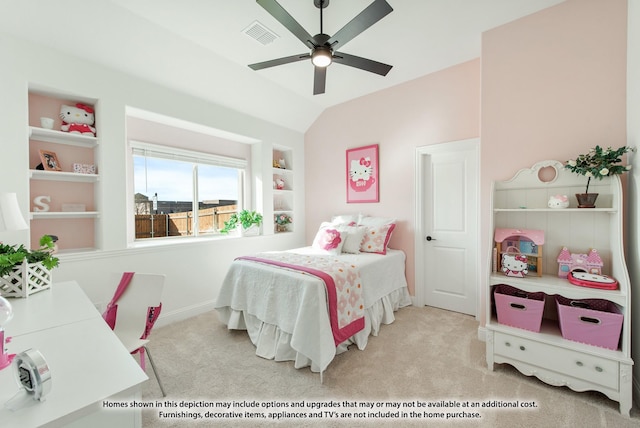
pixel 447 269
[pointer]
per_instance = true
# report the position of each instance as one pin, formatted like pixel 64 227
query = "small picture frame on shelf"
pixel 50 161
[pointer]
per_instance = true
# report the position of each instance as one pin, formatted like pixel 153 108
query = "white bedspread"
pixel 285 312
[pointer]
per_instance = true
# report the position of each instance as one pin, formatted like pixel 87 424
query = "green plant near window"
pixel 244 218
pixel 12 255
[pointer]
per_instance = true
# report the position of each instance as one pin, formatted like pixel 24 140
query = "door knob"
pixel 429 238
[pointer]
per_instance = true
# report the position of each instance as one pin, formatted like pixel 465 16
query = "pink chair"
pixel 133 310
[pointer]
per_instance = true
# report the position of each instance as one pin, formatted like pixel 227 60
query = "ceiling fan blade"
pixel 278 12
pixel 279 61
pixel 365 19
pixel 362 63
pixel 319 80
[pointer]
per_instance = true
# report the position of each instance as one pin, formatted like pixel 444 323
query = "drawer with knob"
pixel 564 361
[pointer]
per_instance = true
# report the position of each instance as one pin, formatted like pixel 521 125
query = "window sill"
pixel 177 240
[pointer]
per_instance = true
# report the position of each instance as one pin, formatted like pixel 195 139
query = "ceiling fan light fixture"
pixel 322 46
pixel 321 56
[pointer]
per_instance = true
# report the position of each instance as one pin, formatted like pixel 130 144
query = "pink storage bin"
pixel 595 322
pixel 517 308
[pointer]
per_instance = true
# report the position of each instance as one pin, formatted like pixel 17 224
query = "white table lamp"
pixel 10 215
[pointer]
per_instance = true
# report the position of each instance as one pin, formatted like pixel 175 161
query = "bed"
pixel 289 311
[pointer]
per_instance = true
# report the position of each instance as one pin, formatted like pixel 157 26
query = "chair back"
pixel 144 291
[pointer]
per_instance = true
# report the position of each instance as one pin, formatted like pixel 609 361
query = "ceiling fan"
pixel 324 47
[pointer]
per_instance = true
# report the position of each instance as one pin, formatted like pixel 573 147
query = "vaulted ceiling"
pixel 200 46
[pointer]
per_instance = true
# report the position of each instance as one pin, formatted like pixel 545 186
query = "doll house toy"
pixel 519 251
pixel 570 262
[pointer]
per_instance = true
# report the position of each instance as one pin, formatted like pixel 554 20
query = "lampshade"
pixel 321 56
pixel 10 215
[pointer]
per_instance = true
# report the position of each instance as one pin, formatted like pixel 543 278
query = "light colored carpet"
pixel 426 355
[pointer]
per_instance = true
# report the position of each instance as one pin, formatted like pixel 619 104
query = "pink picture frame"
pixel 363 174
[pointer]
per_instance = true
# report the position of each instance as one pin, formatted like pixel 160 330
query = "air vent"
pixel 260 33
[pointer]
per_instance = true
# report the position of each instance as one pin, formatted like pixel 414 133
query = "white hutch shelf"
pixel 521 203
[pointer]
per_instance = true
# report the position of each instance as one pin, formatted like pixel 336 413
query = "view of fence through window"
pixel 167 203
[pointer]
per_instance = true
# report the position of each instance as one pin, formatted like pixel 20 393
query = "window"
pixel 183 193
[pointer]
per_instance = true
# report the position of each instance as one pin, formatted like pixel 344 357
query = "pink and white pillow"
pixel 377 238
pixel 378 234
pixel 329 238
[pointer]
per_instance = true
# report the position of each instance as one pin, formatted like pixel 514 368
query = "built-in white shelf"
pixel 59 137
pixel 63 214
pixel 37 174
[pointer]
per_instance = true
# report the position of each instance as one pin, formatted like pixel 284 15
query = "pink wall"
pixel 553 85
pixel 436 108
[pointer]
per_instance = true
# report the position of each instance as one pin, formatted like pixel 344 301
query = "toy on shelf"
pixel 78 119
pixel 558 202
pixel 592 280
pixel 515 265
pixel 568 262
pixel 519 251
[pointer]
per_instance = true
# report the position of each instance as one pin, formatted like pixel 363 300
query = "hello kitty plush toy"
pixel 78 119
pixel 558 201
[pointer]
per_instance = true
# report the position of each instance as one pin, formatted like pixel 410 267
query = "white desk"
pixel 88 363
pixel 64 304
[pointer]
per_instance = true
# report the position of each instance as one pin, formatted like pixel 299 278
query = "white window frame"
pixel 140 148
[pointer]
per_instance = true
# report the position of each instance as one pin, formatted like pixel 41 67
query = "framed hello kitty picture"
pixel 362 174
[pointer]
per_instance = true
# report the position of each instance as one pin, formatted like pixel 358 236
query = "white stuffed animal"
pixel 78 119
pixel 558 201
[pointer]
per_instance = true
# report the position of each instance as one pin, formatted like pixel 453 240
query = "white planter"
pixel 25 279
pixel 253 230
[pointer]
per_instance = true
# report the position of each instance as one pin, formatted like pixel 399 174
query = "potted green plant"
pixel 24 271
pixel 597 163
pixel 247 221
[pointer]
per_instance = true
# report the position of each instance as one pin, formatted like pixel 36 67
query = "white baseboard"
pixel 167 318
pixel 482 334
